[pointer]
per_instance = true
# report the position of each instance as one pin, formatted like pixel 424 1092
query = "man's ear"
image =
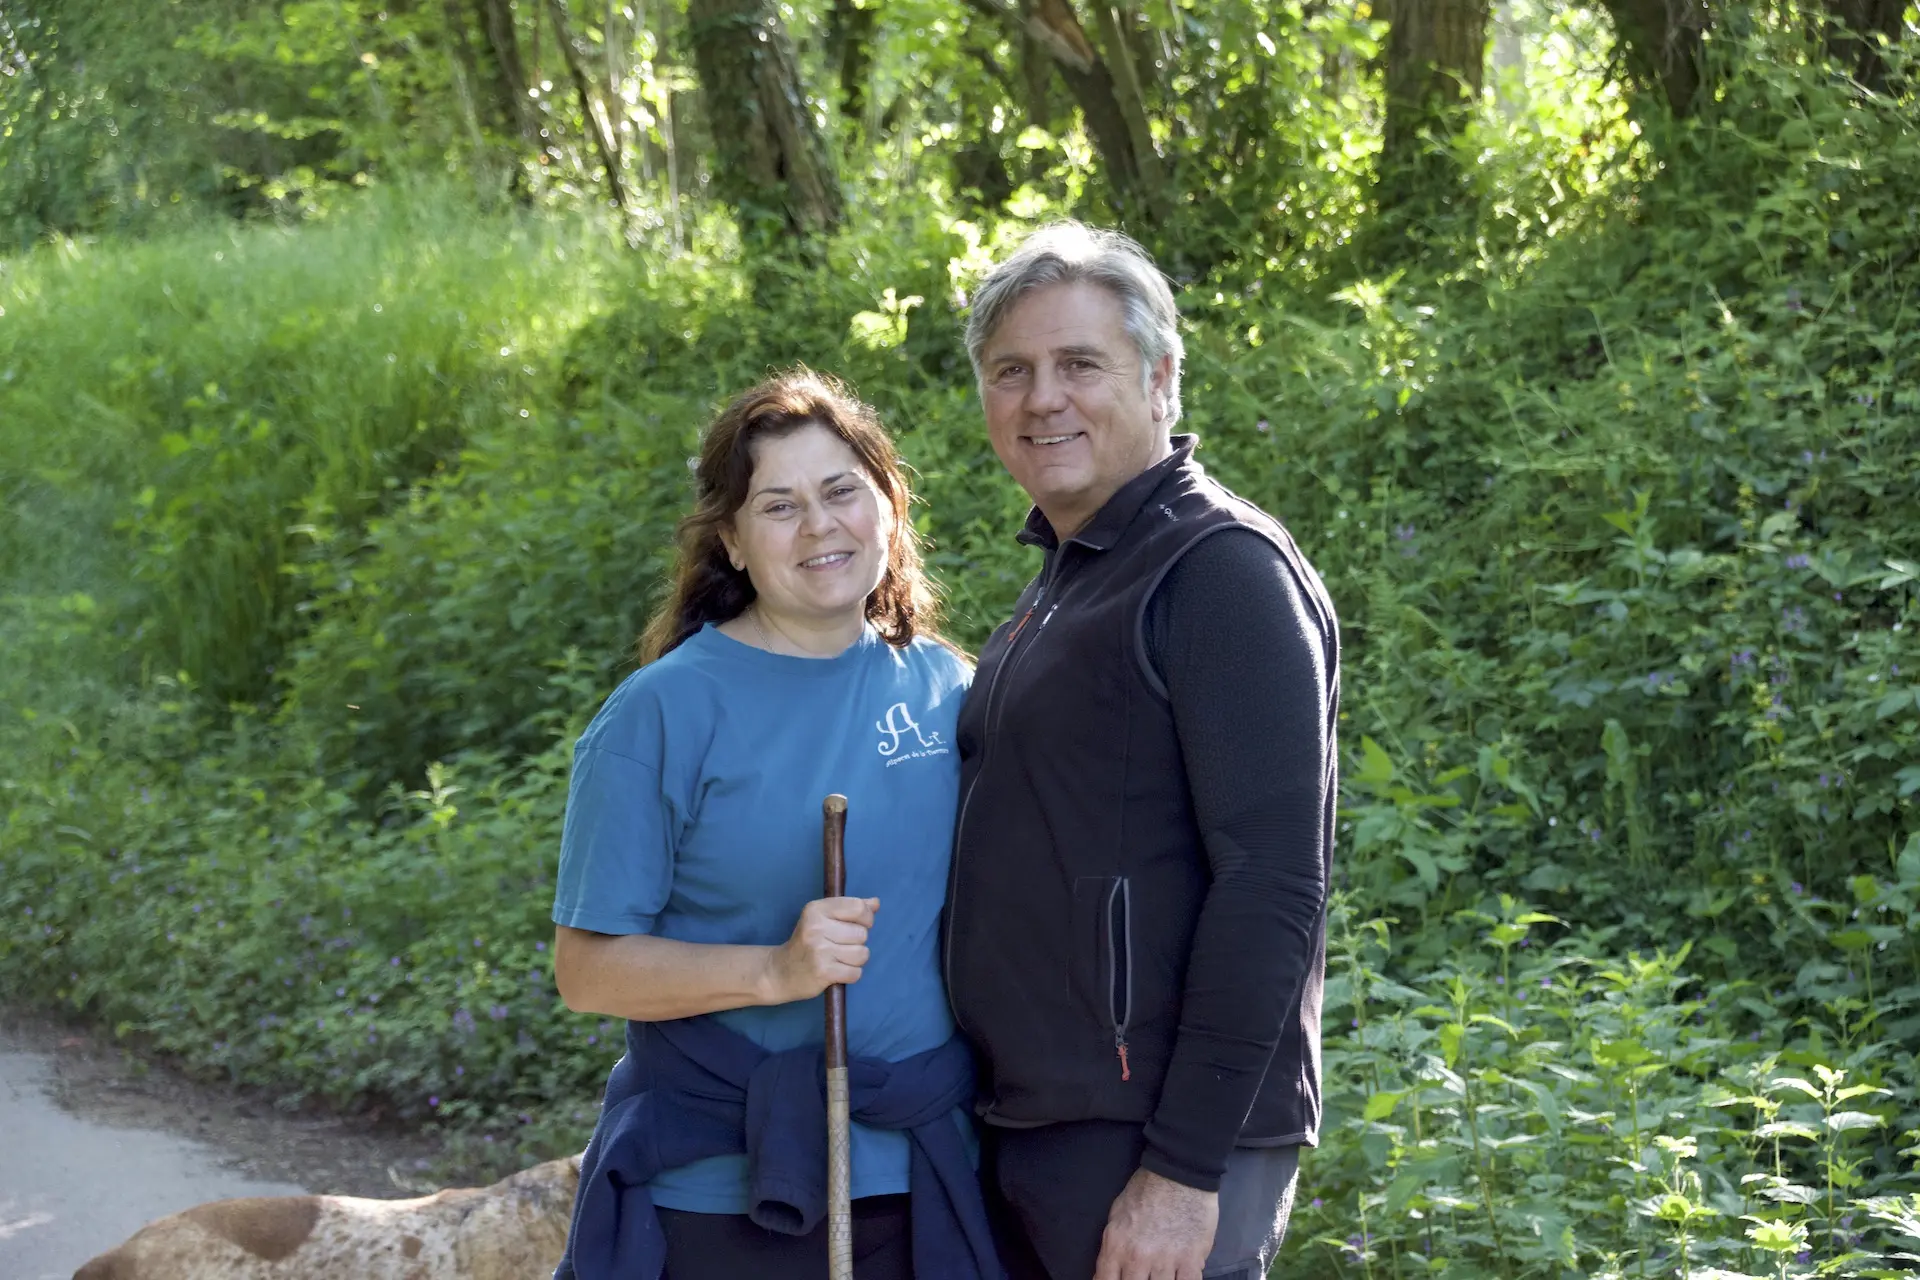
pixel 1160 389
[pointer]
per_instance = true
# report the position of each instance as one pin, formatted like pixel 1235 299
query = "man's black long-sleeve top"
pixel 1135 927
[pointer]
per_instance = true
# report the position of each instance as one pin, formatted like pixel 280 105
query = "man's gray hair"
pixel 1074 253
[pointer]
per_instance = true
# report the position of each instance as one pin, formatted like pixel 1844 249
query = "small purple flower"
pixel 1798 561
pixel 539 946
pixel 433 1100
pixel 1263 426
pixel 395 962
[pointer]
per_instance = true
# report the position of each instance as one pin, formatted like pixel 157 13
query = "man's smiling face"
pixel 1065 405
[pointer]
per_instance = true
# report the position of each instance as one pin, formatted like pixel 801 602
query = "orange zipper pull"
pixel 1126 1072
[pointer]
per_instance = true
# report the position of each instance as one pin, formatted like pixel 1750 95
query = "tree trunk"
pixel 1036 81
pixel 1436 65
pixel 850 44
pixel 1665 43
pixel 1852 26
pixel 1106 89
pixel 599 129
pixel 1133 106
pixel 1509 61
pixel 508 77
pixel 771 162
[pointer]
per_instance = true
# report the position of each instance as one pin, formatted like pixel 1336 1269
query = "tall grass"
pixel 185 418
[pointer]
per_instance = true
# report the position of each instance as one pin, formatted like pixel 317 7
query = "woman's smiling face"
pixel 814 532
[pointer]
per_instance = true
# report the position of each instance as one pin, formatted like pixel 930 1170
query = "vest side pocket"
pixel 1100 968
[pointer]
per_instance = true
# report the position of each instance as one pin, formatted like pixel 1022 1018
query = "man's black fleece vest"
pixel 1078 874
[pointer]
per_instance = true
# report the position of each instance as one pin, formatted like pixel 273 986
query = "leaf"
pixel 1893 703
pixel 1902 1214
pixel 1846 1121
pixel 1776 1237
pixel 1903 572
pixel 1423 865
pixel 1858 1091
pixel 1795 1082
pixel 1450 1038
pixel 1786 1129
pixel 1380 1105
pixel 1620 1053
pixel 1672 1207
pixel 1376 766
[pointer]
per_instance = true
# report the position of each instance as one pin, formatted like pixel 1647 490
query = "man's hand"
pixel 1158 1229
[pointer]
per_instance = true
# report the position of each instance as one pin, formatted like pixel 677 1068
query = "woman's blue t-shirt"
pixel 694 813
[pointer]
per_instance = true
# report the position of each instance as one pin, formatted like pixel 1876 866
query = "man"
pixel 1135 929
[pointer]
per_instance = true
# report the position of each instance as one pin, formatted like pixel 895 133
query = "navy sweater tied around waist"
pixel 692 1088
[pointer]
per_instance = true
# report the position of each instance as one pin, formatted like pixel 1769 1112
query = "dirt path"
pixel 95 1142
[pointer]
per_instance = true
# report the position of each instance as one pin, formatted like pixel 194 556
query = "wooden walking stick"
pixel 839 1126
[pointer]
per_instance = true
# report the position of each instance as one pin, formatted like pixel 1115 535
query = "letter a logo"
pixel 898 724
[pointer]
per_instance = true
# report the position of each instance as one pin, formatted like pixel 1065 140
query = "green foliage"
pixel 1544 1105
pixel 1617 496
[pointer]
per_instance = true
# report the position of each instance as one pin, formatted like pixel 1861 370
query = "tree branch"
pixel 1066 50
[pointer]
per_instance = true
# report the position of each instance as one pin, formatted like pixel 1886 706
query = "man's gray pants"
pixel 1050 1189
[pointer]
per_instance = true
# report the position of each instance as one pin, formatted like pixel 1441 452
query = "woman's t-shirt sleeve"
pixel 616 848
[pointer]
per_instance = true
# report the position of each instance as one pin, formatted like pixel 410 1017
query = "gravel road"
pixel 95 1143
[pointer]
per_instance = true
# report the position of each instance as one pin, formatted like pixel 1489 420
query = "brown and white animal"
pixel 515 1229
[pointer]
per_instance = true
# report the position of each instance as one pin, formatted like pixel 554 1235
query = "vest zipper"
pixel 986 744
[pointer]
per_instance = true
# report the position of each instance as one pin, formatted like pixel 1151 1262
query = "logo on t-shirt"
pixel 899 722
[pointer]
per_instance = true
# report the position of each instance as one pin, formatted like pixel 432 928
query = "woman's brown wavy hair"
pixel 706 586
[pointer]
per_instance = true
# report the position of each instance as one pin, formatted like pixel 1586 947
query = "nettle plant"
pixel 1534 1104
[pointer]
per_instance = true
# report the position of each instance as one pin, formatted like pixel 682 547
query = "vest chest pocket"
pixel 1101 967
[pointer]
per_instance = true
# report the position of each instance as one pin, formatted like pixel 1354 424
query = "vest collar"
pixel 1108 523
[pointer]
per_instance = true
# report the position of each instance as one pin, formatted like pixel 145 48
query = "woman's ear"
pixel 732 545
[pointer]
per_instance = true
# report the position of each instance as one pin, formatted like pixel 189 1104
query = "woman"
pixel 795 658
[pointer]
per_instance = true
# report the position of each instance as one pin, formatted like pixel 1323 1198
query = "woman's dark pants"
pixel 729 1246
